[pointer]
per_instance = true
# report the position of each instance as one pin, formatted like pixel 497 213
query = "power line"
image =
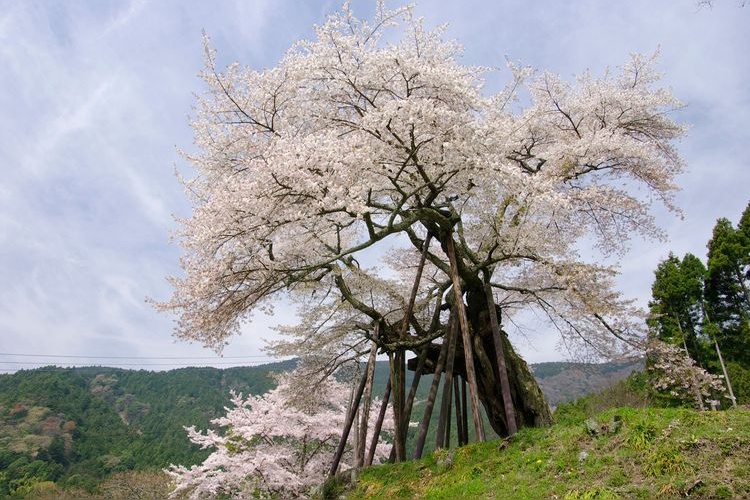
pixel 129 357
pixel 37 363
pixel 49 368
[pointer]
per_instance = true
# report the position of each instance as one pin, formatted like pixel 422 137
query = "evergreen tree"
pixel 677 305
pixel 727 283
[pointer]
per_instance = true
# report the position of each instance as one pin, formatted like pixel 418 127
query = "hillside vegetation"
pixel 74 428
pixel 620 453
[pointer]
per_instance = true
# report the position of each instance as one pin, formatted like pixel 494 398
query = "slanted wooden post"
pixel 721 360
pixel 444 419
pixel 378 424
pixel 348 423
pixel 421 359
pixel 398 366
pixel 502 371
pixel 365 414
pixel 471 376
pixel 425 424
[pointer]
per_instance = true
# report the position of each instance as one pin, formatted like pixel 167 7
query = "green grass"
pixel 665 453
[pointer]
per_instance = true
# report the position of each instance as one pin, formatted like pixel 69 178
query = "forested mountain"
pixel 75 426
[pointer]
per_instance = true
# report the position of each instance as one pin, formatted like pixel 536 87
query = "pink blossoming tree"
pixel 369 178
pixel 279 443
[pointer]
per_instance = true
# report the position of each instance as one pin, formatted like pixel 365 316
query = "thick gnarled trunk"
pixel 531 408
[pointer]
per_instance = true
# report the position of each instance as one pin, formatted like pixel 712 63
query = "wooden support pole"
pixel 464 412
pixel 449 399
pixel 348 426
pixel 379 424
pixel 398 365
pixel 427 416
pixel 447 383
pixel 422 358
pixel 459 413
pixel 502 371
pixel 721 359
pixel 397 388
pixel 471 376
pixel 365 414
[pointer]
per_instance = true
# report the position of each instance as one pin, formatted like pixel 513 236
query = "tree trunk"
pixel 531 409
pixel 530 406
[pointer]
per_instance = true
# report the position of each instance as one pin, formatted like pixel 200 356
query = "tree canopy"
pixel 677 303
pixel 728 284
pixel 364 140
pixel 327 179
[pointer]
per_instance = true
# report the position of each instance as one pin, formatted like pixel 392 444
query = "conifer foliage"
pixel 702 312
pixel 728 285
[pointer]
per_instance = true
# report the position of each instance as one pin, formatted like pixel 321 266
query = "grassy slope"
pixel 656 453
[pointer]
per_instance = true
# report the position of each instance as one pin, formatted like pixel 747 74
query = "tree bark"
pixel 530 406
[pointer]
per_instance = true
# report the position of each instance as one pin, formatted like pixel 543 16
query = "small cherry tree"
pixel 280 443
pixel 675 373
pixel 366 143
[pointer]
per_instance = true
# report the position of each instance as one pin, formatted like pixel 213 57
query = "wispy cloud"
pixel 96 97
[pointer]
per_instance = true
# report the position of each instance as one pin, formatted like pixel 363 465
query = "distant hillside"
pixel 563 382
pixel 75 426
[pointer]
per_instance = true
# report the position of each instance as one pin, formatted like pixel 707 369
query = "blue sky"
pixel 96 97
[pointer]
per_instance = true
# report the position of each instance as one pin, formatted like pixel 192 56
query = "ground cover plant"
pixel 655 453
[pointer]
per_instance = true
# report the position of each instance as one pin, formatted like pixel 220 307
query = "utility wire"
pixel 117 364
pixel 48 368
pixel 129 357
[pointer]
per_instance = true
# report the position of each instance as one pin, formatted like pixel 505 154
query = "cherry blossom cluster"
pixel 276 444
pixel 372 136
pixel 676 373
